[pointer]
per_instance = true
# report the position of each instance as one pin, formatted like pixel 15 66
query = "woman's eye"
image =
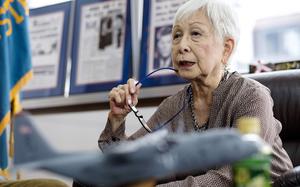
pixel 196 33
pixel 176 35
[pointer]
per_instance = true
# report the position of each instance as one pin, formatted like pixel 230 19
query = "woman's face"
pixel 196 52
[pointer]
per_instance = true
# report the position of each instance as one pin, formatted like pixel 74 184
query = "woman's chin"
pixel 186 75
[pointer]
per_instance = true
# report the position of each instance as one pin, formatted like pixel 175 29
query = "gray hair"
pixel 220 14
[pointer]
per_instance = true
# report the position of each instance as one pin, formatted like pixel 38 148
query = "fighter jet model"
pixel 159 155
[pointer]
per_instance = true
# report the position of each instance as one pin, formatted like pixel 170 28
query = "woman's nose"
pixel 184 46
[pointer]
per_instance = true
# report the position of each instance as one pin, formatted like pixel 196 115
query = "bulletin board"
pixel 101 53
pixel 48 27
pixel 156 42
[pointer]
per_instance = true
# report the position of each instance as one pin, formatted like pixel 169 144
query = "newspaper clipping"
pixel 45 36
pixel 101 42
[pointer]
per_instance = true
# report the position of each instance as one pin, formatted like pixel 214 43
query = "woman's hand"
pixel 119 99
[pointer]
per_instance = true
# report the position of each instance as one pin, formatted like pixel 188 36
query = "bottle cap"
pixel 248 125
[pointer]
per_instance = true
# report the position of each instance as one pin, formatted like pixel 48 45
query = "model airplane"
pixel 158 155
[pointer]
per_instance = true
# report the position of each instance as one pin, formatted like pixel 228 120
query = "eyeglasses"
pixel 136 111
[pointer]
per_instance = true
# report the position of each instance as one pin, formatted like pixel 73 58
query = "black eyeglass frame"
pixel 140 118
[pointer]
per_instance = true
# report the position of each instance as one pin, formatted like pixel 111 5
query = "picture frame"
pixel 101 53
pixel 156 43
pixel 49 29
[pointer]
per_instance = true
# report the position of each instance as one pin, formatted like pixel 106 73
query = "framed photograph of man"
pixel 101 54
pixel 162 50
pixel 156 42
pixel 49 27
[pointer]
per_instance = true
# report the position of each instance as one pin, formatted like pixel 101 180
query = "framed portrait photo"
pixel 101 53
pixel 48 27
pixel 156 42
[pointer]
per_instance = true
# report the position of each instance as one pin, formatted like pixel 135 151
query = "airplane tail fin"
pixel 30 146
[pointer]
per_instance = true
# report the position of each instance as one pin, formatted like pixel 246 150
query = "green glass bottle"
pixel 255 170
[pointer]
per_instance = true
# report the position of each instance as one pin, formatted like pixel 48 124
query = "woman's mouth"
pixel 185 63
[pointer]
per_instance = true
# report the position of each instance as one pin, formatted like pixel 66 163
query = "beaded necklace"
pixel 201 127
pixel 196 125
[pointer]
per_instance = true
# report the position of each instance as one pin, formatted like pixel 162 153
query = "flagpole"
pixel 13 110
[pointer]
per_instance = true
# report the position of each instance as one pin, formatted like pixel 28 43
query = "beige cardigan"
pixel 236 97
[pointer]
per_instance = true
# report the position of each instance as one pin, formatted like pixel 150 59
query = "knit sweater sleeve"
pixel 108 137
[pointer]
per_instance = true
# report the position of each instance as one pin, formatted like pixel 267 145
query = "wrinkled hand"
pixel 122 96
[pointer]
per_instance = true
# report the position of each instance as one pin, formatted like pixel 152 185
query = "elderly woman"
pixel 204 36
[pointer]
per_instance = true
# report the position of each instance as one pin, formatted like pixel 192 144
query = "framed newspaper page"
pixel 48 27
pixel 101 54
pixel 158 18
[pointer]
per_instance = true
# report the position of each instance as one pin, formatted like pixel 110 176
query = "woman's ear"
pixel 228 48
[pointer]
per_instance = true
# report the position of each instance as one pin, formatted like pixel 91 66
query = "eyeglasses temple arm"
pixel 148 75
pixel 140 118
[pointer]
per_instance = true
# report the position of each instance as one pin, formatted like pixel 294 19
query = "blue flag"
pixel 15 64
